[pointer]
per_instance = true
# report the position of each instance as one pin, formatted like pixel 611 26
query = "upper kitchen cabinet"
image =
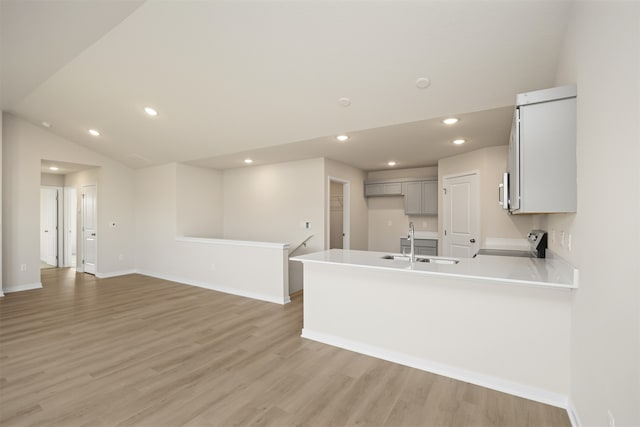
pixel 373 189
pixel 541 172
pixel 421 198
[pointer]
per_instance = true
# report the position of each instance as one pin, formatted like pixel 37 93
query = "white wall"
pixel 601 54
pixel 1 209
pixel 358 224
pixel 491 163
pixel 51 180
pixel 387 220
pixel 24 146
pixel 271 203
pixel 199 201
pixel 217 265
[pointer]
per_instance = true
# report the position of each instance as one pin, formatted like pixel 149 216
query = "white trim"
pixel 573 415
pixel 213 287
pixel 477 378
pixel 20 288
pixel 115 273
pixel 247 243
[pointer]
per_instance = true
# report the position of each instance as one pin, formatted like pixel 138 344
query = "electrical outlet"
pixel 569 243
pixel 23 267
pixel 307 225
pixel 389 223
pixel 612 420
pixel 553 236
pixel 562 239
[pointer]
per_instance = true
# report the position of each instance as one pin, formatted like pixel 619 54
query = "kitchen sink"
pixel 397 257
pixel 419 258
pixel 449 261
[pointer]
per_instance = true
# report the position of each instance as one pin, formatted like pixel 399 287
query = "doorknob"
pixel 472 240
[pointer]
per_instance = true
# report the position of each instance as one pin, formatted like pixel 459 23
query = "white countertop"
pixel 553 273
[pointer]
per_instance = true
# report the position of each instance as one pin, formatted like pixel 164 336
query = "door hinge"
pixel 444 191
pixel 83 261
pixel 445 232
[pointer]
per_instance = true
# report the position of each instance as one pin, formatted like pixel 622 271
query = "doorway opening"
pixel 50 227
pixel 338 214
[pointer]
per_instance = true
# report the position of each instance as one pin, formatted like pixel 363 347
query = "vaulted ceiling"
pixel 264 78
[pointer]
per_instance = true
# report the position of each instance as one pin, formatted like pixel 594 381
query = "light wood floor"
pixel 135 350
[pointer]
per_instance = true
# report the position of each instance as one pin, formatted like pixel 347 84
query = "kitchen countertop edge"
pixel 426 269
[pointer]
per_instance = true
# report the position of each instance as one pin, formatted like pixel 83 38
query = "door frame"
pixel 446 239
pixel 346 212
pixel 59 223
pixel 80 232
pixel 68 197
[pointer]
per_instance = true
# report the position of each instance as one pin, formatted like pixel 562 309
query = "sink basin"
pixel 449 261
pixel 397 257
pixel 432 260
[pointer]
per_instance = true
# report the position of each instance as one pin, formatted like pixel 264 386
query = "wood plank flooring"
pixel 139 351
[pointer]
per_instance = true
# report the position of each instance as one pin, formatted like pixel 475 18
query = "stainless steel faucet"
pixel 412 241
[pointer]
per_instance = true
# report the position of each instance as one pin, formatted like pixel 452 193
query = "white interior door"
pixel 89 229
pixel 49 226
pixel 461 210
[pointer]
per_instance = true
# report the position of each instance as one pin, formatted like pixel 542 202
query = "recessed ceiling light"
pixel 391 163
pixel 248 161
pixel 459 141
pixel 53 168
pixel 94 132
pixel 450 121
pixel 150 111
pixel 45 124
pixel 423 83
pixel 344 101
pixel 342 138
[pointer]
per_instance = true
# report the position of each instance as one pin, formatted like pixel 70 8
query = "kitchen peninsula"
pixel 499 322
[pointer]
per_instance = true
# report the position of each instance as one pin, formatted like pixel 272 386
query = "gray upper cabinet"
pixel 421 198
pixel 542 152
pixel 383 189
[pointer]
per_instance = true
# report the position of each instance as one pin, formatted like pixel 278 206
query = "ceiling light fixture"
pixel 248 161
pixel 459 141
pixel 450 121
pixel 391 163
pixel 53 168
pixel 94 132
pixel 45 124
pixel 150 111
pixel 342 138
pixel 423 83
pixel 344 101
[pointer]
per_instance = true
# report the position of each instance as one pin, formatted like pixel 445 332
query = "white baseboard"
pixel 573 415
pixel 115 274
pixel 477 378
pixel 219 288
pixel 20 288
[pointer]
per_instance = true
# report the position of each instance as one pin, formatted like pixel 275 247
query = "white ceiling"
pixel 239 77
pixel 64 168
